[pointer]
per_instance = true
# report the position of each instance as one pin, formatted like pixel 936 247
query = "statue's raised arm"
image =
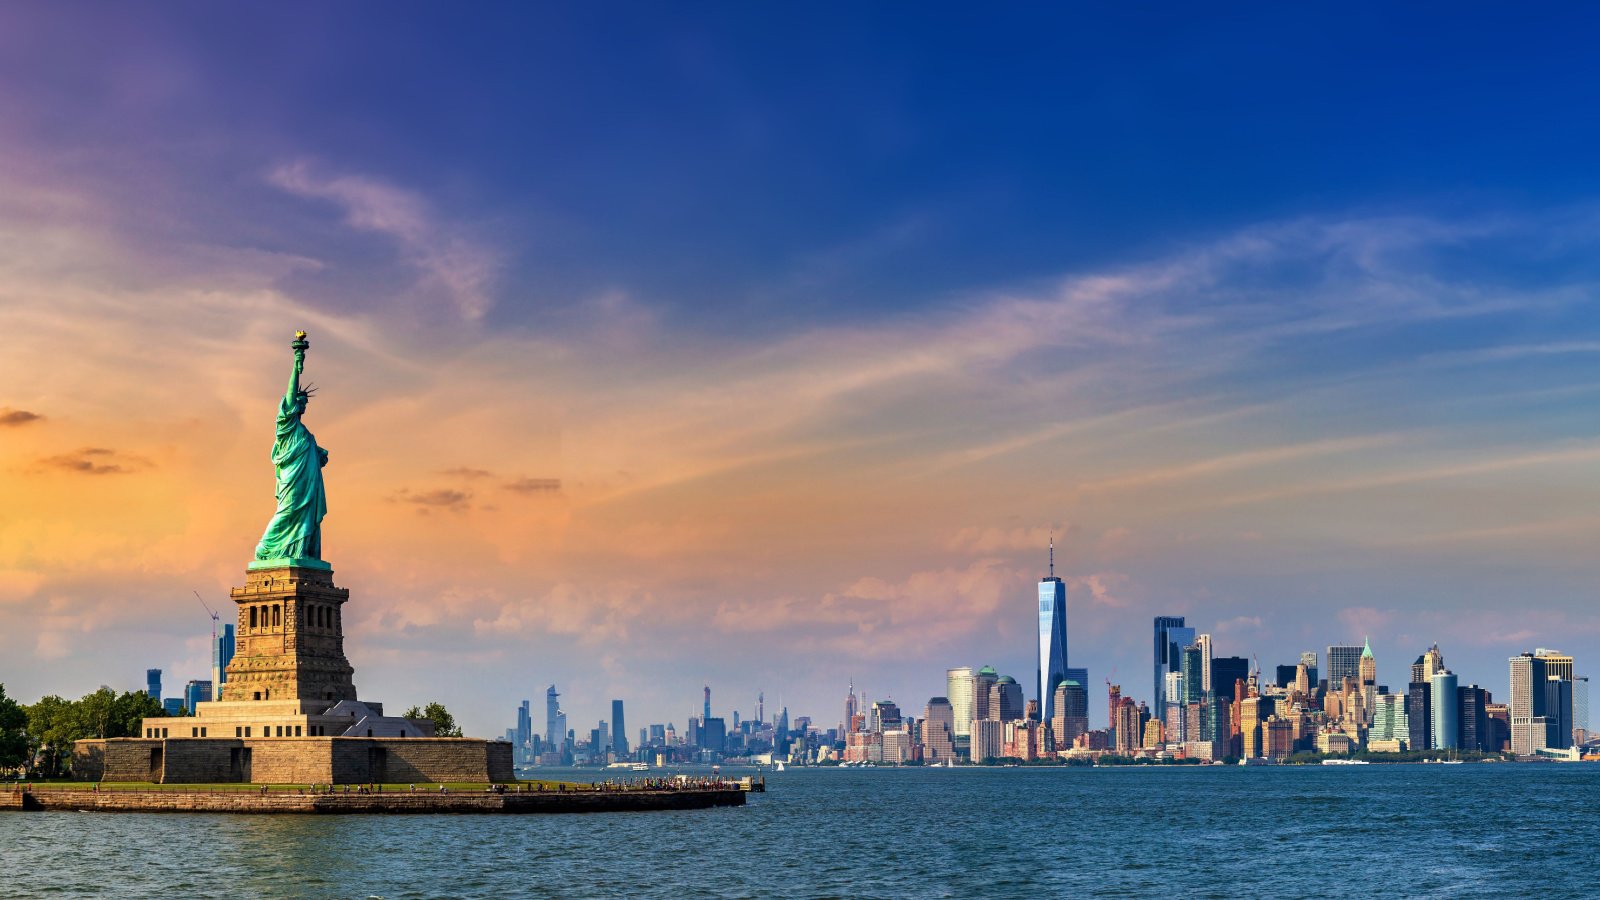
pixel 300 345
pixel 295 532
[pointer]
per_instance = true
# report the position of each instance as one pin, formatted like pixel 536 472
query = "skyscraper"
pixel 1204 643
pixel 1580 709
pixel 958 689
pixel 707 714
pixel 1428 663
pixel 1170 638
pixel 1126 725
pixel 1472 704
pixel 982 691
pixel 1560 700
pixel 555 723
pixel 523 736
pixel 1052 638
pixel 1343 662
pixel 222 646
pixel 1005 700
pixel 619 733
pixel 938 731
pixel 152 683
pixel 1556 663
pixel 1225 670
pixel 1446 711
pixel 1529 725
pixel 850 704
pixel 1192 664
pixel 1175 690
pixel 1389 720
pixel 716 734
pixel 1419 715
pixel 1308 658
pixel 196 692
pixel 1072 714
pixel 1558 712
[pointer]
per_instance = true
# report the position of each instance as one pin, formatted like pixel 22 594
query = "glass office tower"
pixel 1052 644
pixel 1170 639
pixel 222 646
pixel 1446 714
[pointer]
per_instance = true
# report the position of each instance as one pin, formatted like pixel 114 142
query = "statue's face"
pixel 300 401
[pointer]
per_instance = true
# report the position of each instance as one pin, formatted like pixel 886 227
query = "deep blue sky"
pixel 751 166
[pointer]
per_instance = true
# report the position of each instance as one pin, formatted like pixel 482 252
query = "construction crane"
pixel 215 618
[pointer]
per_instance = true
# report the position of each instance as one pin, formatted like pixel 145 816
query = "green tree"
pixel 13 732
pixel 128 713
pixel 53 724
pixel 444 724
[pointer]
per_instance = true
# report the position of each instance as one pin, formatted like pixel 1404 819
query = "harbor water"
pixel 1414 830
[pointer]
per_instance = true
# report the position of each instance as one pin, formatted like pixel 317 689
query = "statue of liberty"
pixel 295 532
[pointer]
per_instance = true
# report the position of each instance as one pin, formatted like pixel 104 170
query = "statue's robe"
pixel 296 528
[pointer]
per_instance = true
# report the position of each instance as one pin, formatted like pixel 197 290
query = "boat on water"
pixel 1346 762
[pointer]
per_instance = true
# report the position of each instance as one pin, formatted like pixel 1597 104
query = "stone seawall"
pixel 304 760
pixel 403 802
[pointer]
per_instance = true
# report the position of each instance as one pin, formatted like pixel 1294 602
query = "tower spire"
pixel 1052 551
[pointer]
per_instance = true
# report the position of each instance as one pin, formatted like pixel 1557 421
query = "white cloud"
pixel 459 266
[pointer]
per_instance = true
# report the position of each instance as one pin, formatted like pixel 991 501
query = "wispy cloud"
pixel 534 485
pixel 464 269
pixel 442 498
pixel 11 418
pixel 1417 475
pixel 467 472
pixel 95 461
pixel 1234 462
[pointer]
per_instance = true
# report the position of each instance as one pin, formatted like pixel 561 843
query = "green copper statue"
pixel 295 532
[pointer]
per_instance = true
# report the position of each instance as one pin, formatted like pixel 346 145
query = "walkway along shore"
pixel 228 800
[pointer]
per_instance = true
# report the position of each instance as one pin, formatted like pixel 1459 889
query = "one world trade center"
pixel 1052 638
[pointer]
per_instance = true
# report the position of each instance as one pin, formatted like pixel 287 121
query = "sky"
pixel 825 319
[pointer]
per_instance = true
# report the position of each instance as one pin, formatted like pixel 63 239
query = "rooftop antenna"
pixel 214 617
pixel 1052 551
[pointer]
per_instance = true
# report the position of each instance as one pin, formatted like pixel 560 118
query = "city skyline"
pixel 672 368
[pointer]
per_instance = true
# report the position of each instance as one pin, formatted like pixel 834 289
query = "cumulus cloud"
pixel 1101 589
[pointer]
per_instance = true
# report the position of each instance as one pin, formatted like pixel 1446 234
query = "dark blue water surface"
pixel 1401 830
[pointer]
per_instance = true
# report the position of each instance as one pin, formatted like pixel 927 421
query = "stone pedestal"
pixel 289 638
pixel 288 710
